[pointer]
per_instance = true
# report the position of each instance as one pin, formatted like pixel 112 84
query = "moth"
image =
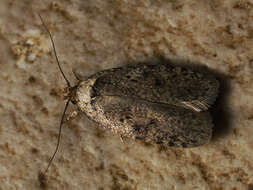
pixel 156 103
pixel 159 104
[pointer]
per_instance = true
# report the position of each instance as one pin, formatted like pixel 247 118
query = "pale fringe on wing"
pixel 204 102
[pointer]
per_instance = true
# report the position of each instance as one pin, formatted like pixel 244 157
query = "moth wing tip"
pixel 202 104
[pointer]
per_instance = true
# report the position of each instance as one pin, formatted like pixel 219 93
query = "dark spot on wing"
pixel 158 82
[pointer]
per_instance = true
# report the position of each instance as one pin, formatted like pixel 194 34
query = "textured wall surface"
pixel 94 35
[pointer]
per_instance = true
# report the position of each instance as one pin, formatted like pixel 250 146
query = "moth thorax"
pixel 84 91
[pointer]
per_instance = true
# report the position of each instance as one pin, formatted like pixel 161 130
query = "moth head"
pixel 69 93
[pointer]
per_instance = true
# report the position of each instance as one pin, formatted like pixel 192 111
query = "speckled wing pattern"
pixel 164 84
pixel 154 123
pixel 159 104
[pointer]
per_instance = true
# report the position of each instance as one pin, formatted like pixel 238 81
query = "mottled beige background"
pixel 97 34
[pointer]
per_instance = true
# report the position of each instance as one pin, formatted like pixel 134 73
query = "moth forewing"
pixel 160 83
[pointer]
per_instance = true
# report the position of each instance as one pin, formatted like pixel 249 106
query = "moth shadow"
pixel 219 111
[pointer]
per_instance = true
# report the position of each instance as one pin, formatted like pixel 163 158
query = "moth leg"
pixel 121 138
pixel 71 116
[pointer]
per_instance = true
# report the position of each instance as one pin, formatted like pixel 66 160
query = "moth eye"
pixel 121 120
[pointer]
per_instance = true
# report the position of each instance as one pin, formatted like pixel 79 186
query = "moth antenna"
pixel 59 136
pixel 76 75
pixel 56 57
